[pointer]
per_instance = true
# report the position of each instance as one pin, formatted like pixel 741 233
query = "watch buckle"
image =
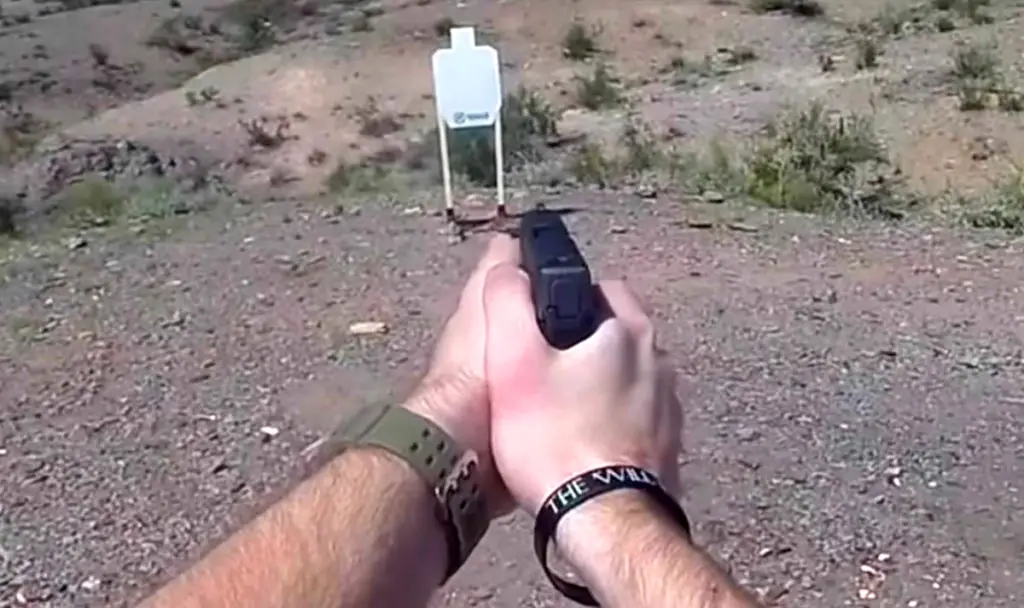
pixel 449 486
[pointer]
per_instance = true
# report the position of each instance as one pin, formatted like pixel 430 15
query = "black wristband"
pixel 579 490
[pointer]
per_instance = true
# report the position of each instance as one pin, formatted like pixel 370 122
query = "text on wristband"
pixel 570 493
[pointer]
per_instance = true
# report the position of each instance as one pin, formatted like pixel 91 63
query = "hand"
pixel 453 394
pixel 608 400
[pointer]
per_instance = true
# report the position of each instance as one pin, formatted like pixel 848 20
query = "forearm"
pixel 342 538
pixel 631 555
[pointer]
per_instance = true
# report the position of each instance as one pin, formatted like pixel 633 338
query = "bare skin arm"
pixel 633 556
pixel 340 539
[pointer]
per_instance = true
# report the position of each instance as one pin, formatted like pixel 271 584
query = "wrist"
pixel 386 474
pixel 603 530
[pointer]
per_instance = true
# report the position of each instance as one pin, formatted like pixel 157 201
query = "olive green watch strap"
pixel 449 472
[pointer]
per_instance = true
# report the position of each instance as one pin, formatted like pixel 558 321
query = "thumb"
pixel 515 346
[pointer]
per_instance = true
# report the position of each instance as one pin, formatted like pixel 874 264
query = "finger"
pixel 513 336
pixel 625 306
pixel 502 249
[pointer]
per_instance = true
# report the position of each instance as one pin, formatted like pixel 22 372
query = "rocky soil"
pixel 207 197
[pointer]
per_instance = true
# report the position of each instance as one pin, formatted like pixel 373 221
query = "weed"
pixel 1002 209
pixel 580 42
pixel 19 132
pixel 943 5
pixel 740 55
pixel 974 10
pixel 98 202
pixel 256 34
pixel 266 133
pixel 688 73
pixel 99 53
pixel 528 122
pixel 714 169
pixel 316 157
pixel 975 62
pixel 798 8
pixel 374 123
pixel 599 90
pixel 638 152
pixel 258 21
pixel 590 165
pixel 171 35
pixel 443 26
pixel 1010 100
pixel 896 21
pixel 91 202
pixel 206 95
pixel 642 152
pixel 362 22
pixel 10 210
pixel 363 178
pixel 943 23
pixel 868 50
pixel 809 161
pixel 978 79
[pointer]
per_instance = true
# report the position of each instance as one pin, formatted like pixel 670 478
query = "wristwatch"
pixel 451 473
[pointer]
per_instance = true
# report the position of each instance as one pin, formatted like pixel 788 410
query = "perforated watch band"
pixel 449 472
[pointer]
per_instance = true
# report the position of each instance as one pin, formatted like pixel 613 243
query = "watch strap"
pixel 450 474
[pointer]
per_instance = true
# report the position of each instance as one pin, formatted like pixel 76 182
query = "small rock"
pixel 269 432
pixel 77 242
pixel 741 227
pixel 747 434
pixel 713 196
pixel 366 328
pixel 90 584
pixel 647 191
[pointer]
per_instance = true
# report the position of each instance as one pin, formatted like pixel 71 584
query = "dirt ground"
pixel 855 388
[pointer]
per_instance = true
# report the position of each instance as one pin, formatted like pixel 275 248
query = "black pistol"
pixel 564 296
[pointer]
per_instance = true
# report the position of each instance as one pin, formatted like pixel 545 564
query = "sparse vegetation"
pixel 362 178
pixel 10 210
pixel 528 123
pixel 375 123
pixel 598 90
pixel 1001 209
pixel 91 202
pixel 868 50
pixel 95 201
pixel 171 35
pixel 809 160
pixel 19 131
pixel 100 55
pixel 443 26
pixel 580 41
pixel 206 95
pixel 979 81
pixel 696 72
pixel 637 152
pixel 362 22
pixel 939 16
pixel 943 24
pixel 798 8
pixel 266 132
pixel 590 165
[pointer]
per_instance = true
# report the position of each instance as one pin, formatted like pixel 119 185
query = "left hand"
pixel 453 394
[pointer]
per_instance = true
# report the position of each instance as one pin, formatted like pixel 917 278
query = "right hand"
pixel 555 414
